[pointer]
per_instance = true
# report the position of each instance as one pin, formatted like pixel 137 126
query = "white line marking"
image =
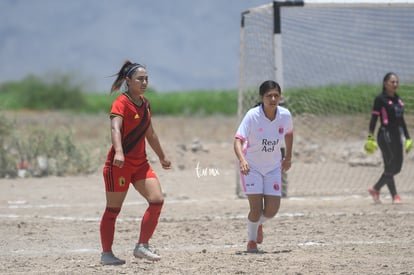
pixel 200 218
pixel 23 204
pixel 277 247
pixel 83 250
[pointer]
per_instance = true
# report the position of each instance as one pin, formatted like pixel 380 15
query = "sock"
pixel 252 230
pixel 107 227
pixel 149 221
pixel 263 219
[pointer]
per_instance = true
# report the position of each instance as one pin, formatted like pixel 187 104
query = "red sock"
pixel 149 221
pixel 108 228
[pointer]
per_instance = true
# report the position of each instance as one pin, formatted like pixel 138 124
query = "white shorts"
pixel 256 183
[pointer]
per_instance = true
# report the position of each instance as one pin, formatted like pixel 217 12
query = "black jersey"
pixel 391 113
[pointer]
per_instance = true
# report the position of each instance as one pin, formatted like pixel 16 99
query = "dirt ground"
pixel 51 225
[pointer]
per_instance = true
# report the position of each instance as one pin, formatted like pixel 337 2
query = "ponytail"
pixel 126 71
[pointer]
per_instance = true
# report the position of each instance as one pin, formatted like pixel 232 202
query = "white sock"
pixel 252 230
pixel 263 219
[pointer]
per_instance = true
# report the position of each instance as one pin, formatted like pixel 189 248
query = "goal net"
pixel 330 58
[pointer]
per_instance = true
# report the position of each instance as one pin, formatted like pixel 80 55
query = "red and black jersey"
pixel 136 120
pixel 391 113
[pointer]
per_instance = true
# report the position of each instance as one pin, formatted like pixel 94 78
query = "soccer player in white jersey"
pixel 257 146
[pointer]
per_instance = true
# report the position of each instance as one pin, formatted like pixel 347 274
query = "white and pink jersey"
pixel 263 138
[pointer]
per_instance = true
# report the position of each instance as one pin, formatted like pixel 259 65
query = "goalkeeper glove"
pixel 408 145
pixel 370 144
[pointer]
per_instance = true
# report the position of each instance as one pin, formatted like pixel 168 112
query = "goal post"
pixel 264 27
pixel 339 47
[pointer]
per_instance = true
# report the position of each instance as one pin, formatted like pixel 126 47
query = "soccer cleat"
pixel 259 234
pixel 142 251
pixel 396 200
pixel 108 258
pixel 252 247
pixel 375 195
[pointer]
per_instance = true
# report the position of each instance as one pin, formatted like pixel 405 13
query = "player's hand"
pixel 370 145
pixel 244 167
pixel 408 145
pixel 286 165
pixel 165 163
pixel 118 159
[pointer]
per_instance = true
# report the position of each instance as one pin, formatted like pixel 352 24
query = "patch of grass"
pixel 37 94
pixel 175 103
pixel 64 94
pixel 337 100
pixel 194 103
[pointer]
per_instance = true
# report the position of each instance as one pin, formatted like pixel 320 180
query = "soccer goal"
pixel 330 58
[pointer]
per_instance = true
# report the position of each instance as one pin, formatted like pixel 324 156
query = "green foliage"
pixel 175 103
pixel 53 153
pixel 62 93
pixel 331 99
pixel 339 100
pixel 194 103
pixel 407 93
pixel 35 93
pixel 7 162
pixel 43 151
pixel 97 103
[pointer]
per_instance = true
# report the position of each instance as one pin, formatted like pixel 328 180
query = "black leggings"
pixel 390 143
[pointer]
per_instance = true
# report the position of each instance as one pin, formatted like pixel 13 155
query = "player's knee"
pixel 397 169
pixel 155 197
pixel 270 213
pixel 254 216
pixel 392 172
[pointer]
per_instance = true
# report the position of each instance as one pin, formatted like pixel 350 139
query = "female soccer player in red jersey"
pixel 257 144
pixel 127 163
pixel 390 108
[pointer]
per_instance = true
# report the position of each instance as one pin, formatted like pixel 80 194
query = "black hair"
pixel 268 85
pixel 386 78
pixel 126 71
